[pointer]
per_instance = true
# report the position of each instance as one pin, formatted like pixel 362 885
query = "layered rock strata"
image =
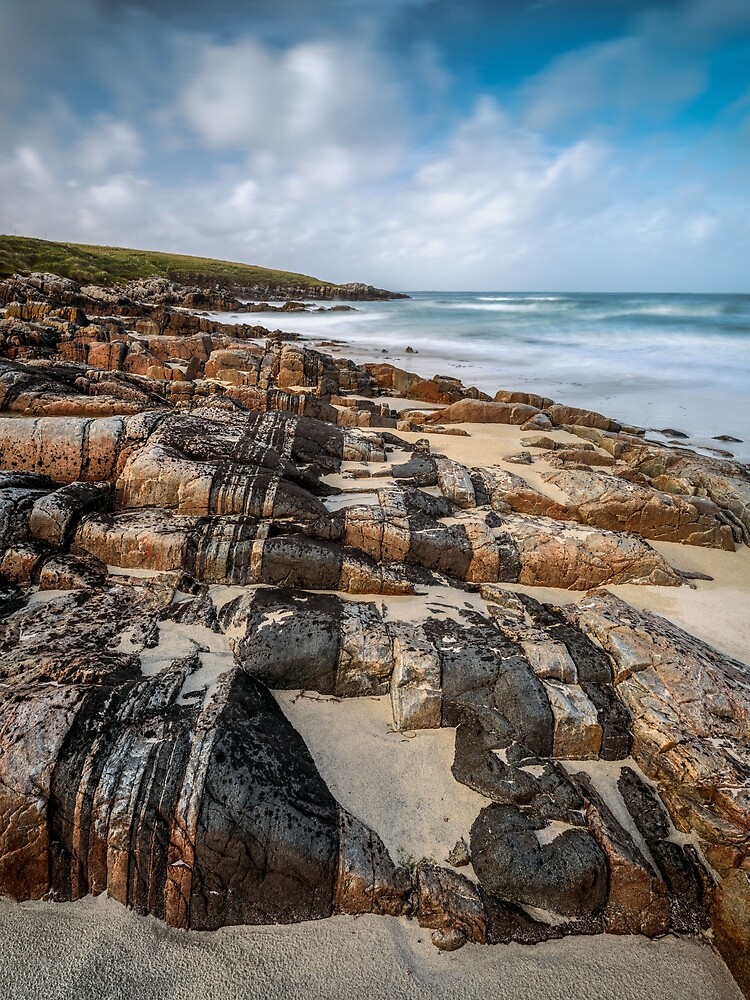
pixel 194 516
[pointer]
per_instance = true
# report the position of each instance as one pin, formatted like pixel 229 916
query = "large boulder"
pixel 567 875
pixel 606 501
pixel 579 558
pixel 475 411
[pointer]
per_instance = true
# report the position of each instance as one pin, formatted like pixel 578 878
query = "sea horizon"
pixel 661 361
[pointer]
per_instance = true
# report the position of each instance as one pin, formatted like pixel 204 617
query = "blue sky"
pixel 514 144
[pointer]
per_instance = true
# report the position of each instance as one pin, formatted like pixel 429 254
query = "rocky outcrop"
pixel 691 718
pixel 476 411
pixel 683 696
pixel 193 516
pixel 579 558
pixel 605 501
pixel 224 294
pixel 726 484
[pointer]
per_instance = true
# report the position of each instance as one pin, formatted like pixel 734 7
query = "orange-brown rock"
pixel 392 379
pixel 530 398
pixel 475 411
pixel 579 558
pixel 561 415
pixel 442 389
pixel 606 501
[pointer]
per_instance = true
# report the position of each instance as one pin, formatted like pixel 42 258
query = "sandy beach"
pixel 98 950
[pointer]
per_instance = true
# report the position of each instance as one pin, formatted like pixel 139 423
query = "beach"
pixel 677 362
pixel 420 671
pixel 98 950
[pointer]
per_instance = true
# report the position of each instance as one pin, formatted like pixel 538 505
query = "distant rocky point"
pixel 117 266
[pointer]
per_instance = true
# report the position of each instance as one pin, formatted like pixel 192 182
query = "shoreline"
pixel 487 381
pixel 626 387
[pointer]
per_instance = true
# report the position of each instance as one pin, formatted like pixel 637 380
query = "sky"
pixel 572 145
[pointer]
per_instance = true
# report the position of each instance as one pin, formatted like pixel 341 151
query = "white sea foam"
pixel 656 361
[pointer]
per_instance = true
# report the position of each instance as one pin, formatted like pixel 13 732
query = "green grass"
pixel 114 265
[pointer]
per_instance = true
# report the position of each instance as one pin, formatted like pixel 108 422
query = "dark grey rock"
pixel 567 876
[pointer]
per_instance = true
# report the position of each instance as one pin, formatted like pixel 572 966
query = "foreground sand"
pixel 98 950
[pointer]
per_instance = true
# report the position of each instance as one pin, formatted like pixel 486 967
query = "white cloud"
pixel 109 145
pixel 309 156
pixel 332 95
pixel 491 190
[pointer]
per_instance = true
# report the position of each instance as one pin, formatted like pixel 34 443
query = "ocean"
pixel 657 361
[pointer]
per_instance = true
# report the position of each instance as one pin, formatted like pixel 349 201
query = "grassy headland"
pixel 114 265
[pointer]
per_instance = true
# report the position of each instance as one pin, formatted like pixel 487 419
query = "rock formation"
pixel 193 516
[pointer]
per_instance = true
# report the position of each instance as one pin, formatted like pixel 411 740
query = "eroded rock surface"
pixel 193 515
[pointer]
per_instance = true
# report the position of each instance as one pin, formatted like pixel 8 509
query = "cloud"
pixel 325 152
pixel 336 107
pixel 107 145
pixel 660 66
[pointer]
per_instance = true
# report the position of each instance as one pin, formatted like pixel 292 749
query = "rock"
pixel 416 695
pixel 730 919
pixel 291 639
pixel 367 881
pixel 448 940
pixel 506 488
pixel 568 875
pixel 171 544
pixel 637 901
pixel 489 761
pixel 528 398
pixel 577 733
pixel 474 411
pixel 539 422
pixel 54 517
pixel 683 696
pixel 681 874
pixel 450 903
pixel 233 823
pixel 725 483
pixel 460 854
pixel 579 558
pixel 521 697
pixel 455 483
pixel 577 458
pixel 604 501
pixel 442 389
pixel 549 659
pixel 72 573
pixel 393 379
pixel 561 415
pixel 671 432
pixel 420 469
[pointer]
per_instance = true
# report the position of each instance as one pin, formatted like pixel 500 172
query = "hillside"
pixel 112 265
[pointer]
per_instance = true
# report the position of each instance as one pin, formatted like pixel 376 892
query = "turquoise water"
pixel 680 361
